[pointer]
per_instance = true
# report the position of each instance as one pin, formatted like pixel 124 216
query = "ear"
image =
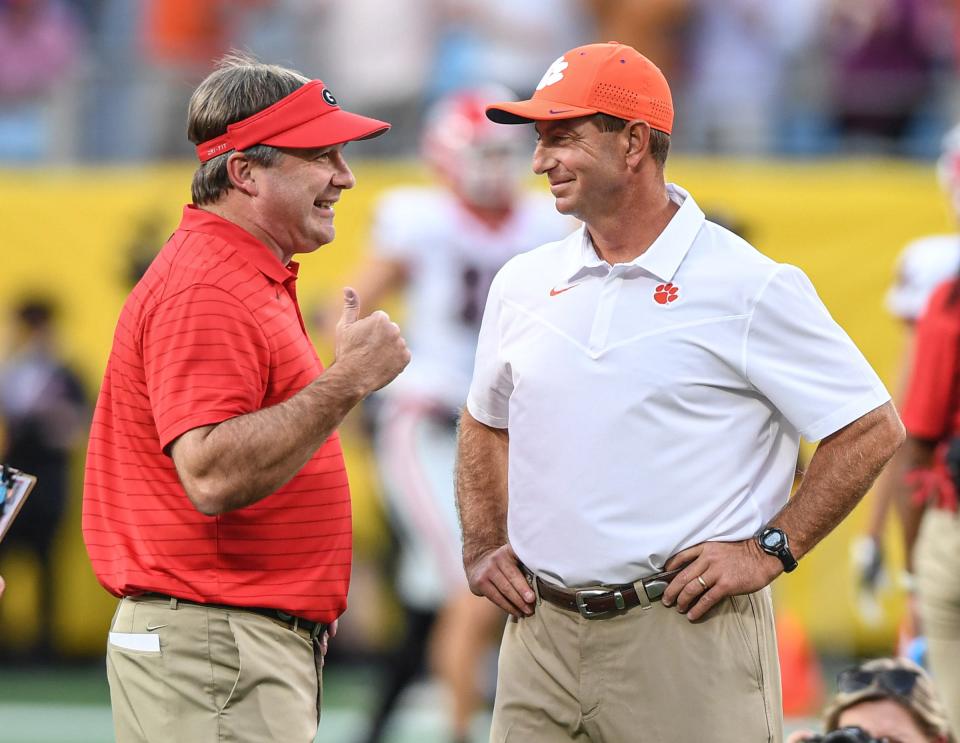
pixel 637 133
pixel 241 173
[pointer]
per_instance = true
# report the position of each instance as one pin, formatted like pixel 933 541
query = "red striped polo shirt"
pixel 211 331
pixel 931 406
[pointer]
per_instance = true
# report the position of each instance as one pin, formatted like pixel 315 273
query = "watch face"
pixel 772 539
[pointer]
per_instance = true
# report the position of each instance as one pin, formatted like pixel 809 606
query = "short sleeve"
pixel 930 402
pixel 205 360
pixel 803 362
pixel 492 385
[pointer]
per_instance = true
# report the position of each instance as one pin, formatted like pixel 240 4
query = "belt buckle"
pixel 655 588
pixel 588 593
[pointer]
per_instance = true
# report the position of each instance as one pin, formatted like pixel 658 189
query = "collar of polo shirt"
pixel 664 256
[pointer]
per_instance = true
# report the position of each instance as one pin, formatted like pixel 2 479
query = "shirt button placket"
pixel 606 304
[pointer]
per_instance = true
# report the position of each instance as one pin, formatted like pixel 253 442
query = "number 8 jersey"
pixel 451 257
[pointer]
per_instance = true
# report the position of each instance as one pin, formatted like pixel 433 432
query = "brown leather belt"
pixel 601 601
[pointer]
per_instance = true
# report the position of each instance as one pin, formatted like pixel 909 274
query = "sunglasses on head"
pixel 899 681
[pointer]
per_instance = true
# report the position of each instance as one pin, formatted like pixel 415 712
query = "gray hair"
pixel 239 86
pixel 659 140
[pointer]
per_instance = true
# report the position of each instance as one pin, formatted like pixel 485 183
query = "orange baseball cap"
pixel 610 78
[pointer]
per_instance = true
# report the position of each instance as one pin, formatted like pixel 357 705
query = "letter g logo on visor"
pixel 308 117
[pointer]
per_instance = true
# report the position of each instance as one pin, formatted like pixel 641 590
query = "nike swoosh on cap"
pixel 560 110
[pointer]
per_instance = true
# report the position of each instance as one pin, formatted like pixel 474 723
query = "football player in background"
pixel 441 246
pixel 922 265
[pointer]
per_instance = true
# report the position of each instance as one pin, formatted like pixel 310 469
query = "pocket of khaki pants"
pixel 123 636
pixel 225 660
pixel 745 619
pixel 318 662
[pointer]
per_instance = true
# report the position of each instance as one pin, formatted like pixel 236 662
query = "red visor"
pixel 308 117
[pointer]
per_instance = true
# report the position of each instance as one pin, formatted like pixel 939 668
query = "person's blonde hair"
pixel 922 703
pixel 239 86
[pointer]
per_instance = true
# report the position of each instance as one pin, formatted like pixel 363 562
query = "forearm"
pixel 481 487
pixel 843 468
pixel 244 459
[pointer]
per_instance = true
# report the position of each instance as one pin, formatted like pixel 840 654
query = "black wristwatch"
pixel 774 542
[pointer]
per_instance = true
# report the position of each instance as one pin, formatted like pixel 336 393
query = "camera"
pixel 851 734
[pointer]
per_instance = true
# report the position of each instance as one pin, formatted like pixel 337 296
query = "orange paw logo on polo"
pixel 666 293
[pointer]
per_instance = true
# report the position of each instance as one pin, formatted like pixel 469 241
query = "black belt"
pixel 600 601
pixel 314 629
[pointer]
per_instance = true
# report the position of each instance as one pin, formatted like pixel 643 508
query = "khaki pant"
pixel 937 563
pixel 214 675
pixel 641 676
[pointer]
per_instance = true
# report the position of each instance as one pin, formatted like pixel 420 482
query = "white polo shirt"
pixel 656 404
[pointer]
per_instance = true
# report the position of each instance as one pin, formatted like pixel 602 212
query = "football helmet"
pixel 484 163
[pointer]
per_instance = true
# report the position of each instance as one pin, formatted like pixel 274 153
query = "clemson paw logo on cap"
pixel 666 293
pixel 554 73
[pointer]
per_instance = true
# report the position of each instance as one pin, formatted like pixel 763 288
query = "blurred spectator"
pixel 503 40
pixel 181 41
pixel 657 28
pixel 87 13
pixel 187 32
pixel 738 54
pixel 886 54
pixel 890 699
pixel 376 59
pixel 784 75
pixel 40 42
pixel 289 32
pixel 44 408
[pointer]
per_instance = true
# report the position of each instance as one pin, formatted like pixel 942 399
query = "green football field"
pixel 72 706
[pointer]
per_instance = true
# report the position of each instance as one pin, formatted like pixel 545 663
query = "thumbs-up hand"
pixel 350 314
pixel 372 347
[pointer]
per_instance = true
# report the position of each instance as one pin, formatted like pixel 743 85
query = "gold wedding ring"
pixel 700 581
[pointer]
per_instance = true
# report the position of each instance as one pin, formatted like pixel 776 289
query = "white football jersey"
pixel 452 258
pixel 923 264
